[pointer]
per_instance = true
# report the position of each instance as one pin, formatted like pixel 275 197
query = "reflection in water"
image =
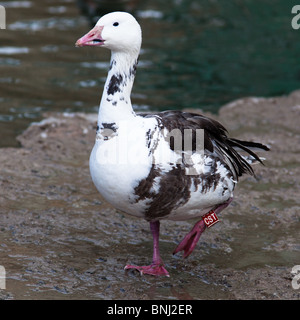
pixel 195 54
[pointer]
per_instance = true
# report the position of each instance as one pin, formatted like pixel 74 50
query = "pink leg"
pixel 189 242
pixel 157 266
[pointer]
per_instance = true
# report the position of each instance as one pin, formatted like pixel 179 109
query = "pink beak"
pixel 92 38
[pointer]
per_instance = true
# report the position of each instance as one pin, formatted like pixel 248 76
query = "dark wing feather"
pixel 216 139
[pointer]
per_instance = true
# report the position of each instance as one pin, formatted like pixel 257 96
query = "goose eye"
pixel 116 24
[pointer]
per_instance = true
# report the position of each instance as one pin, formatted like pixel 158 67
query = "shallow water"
pixel 196 54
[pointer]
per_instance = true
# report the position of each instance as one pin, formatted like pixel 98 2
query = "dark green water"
pixel 196 54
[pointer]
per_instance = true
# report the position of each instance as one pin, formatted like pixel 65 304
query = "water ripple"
pixel 13 50
pixel 16 4
pixel 49 23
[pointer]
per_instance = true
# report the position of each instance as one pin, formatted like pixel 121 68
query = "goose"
pixel 169 165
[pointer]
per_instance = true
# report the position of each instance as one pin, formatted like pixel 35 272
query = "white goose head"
pixel 117 31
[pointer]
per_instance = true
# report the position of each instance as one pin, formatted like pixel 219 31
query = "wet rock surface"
pixel 60 240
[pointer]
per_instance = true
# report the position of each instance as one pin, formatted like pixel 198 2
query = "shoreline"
pixel 60 240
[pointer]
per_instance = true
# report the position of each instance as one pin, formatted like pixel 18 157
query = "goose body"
pixel 170 165
pixel 140 174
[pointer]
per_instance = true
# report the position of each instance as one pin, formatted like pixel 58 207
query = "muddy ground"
pixel 60 240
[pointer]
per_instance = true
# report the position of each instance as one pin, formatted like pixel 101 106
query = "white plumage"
pixel 151 165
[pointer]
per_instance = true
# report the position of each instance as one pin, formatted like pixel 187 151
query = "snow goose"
pixel 168 165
